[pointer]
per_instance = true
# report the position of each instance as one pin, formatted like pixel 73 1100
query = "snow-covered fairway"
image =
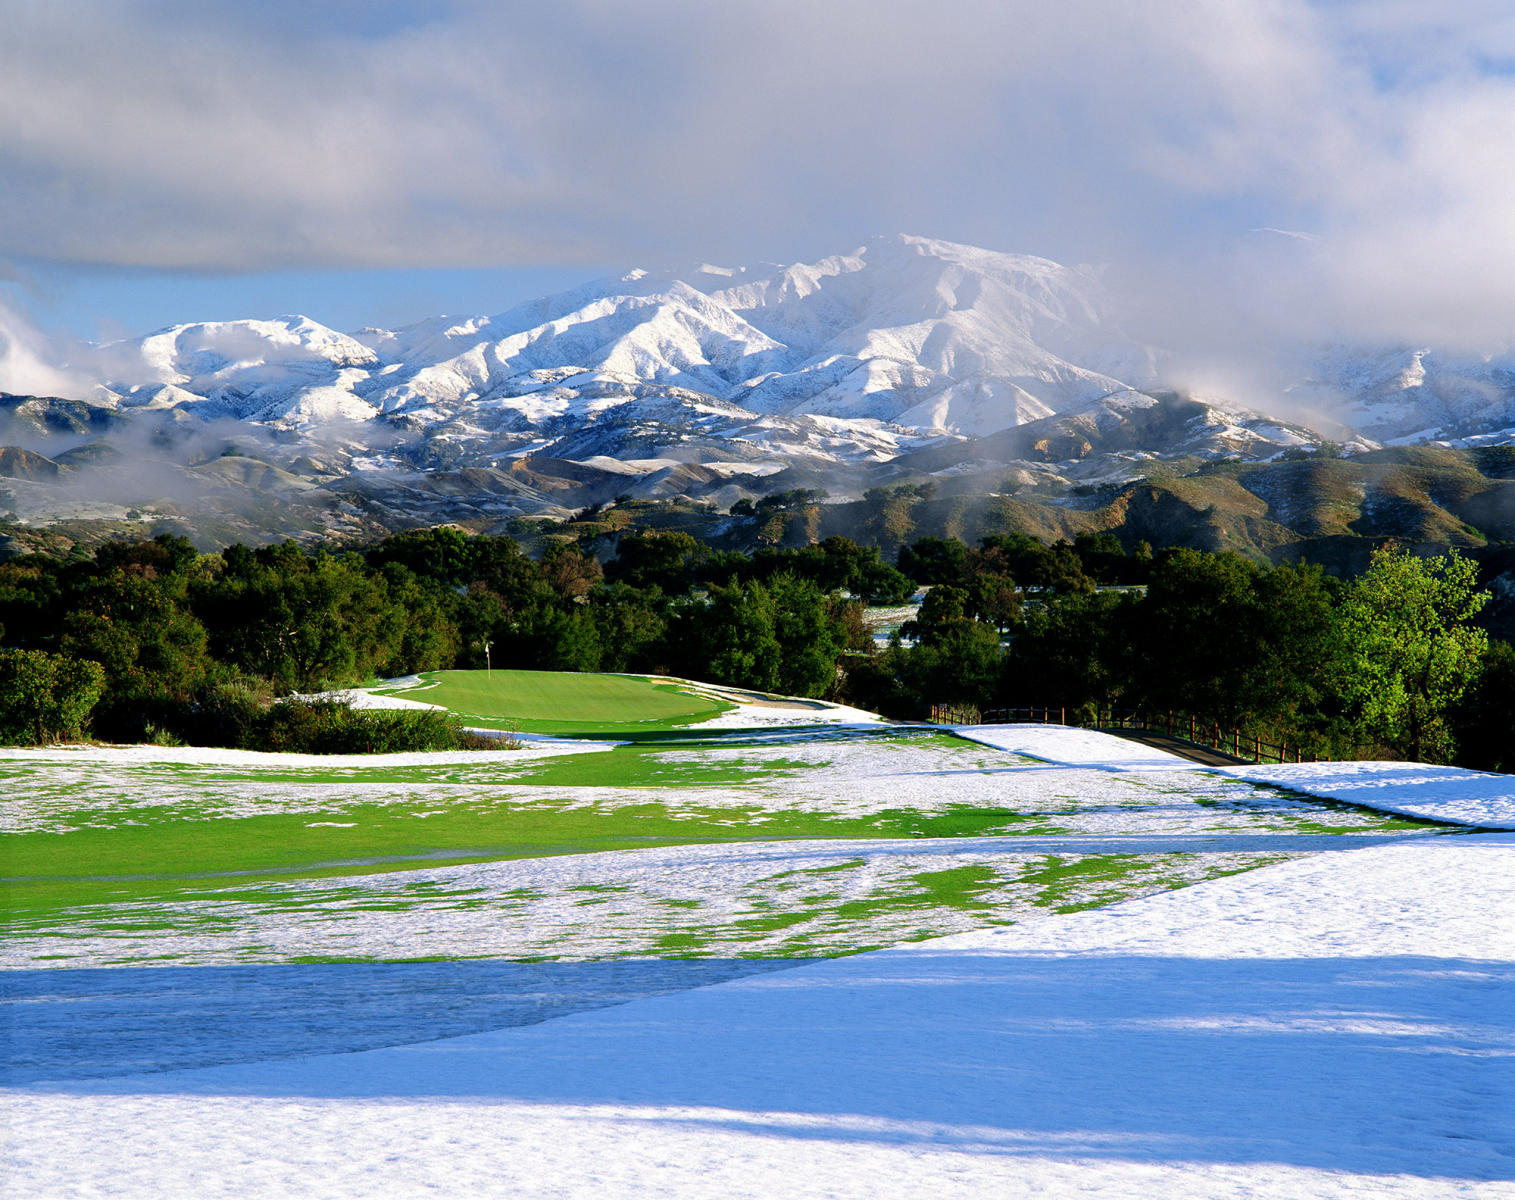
pixel 1338 1024
pixel 789 844
pixel 1333 1026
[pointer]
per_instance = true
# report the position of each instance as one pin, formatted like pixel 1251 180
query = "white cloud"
pixel 590 131
pixel 26 364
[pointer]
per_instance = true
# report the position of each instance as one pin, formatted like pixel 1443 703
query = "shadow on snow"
pixel 1371 1064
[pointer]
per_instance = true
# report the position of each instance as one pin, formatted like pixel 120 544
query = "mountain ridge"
pixel 903 358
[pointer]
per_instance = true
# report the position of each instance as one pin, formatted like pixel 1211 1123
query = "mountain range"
pixel 906 358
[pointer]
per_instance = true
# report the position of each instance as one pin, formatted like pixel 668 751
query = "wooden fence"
pixel 1184 726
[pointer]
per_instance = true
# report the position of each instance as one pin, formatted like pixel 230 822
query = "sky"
pixel 1246 169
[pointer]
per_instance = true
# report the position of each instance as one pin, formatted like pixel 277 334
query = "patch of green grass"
pixel 564 702
pixel 46 873
pixel 1061 877
pixel 824 924
pixel 679 941
pixel 960 888
pixel 651 766
pixel 1072 885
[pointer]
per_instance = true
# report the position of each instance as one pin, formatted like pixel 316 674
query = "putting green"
pixel 563 701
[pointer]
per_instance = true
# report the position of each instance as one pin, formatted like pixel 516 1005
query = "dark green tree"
pixel 737 631
pixel 31 600
pixel 931 561
pixel 304 622
pixel 550 636
pixel 46 697
pixel 445 554
pixel 429 637
pixel 811 632
pixel 151 646
pixel 1483 721
pixel 1197 637
pixel 666 560
pixel 1102 557
pixel 944 607
pixel 633 629
pixel 1072 651
pixel 1410 650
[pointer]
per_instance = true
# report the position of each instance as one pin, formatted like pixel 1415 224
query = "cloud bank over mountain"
pixel 855 356
pixel 1154 138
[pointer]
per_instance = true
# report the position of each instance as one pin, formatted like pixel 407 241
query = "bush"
pixel 46 697
pixel 227 712
pixel 333 727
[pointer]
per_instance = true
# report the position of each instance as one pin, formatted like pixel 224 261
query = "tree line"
pixel 154 640
pixel 1390 664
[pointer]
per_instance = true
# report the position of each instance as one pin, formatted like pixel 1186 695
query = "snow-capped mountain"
pixel 905 356
pixel 1410 394
pixel 856 358
pixel 905 337
pixel 928 336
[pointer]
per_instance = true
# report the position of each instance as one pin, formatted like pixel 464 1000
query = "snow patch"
pixel 1330 1027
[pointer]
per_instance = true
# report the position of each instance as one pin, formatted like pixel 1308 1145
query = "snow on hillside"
pixel 290 369
pixel 1414 393
pixel 934 336
pixel 902 337
pixel 1337 1026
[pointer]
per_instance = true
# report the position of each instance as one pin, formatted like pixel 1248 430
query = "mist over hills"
pixel 906 359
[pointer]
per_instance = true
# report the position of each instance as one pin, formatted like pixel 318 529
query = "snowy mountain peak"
pixel 916 336
pixel 190 349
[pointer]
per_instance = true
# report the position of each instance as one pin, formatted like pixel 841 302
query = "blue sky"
pixel 375 163
pixel 105 303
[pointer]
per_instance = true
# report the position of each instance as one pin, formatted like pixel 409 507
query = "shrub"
pixel 227 712
pixel 333 727
pixel 46 697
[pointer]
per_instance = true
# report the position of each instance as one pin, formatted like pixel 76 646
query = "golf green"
pixel 563 701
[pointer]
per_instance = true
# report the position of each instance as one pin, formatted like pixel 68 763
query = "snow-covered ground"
pixel 100 756
pixel 786 898
pixel 1337 1026
pixel 1047 838
pixel 1452 794
pixel 759 710
pixel 842 773
pixel 1071 747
